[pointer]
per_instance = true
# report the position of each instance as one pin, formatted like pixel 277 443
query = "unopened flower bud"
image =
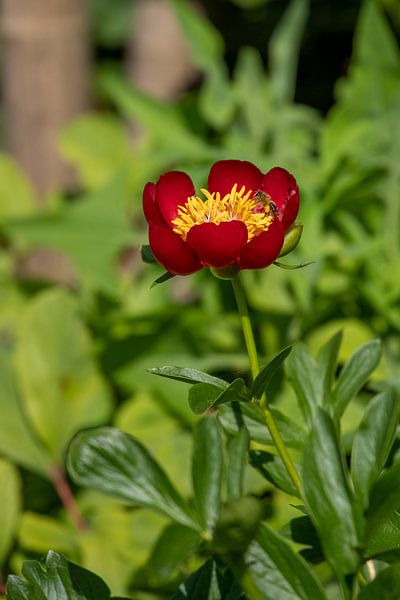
pixel 292 238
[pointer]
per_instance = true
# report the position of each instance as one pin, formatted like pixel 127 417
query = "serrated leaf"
pixel 354 374
pixel 264 377
pixel 328 496
pixel 207 468
pixel 372 443
pixel 238 447
pixel 188 375
pixel 278 572
pixel 110 461
pixel 204 396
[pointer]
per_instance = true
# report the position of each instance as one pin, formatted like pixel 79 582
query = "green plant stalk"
pixel 255 369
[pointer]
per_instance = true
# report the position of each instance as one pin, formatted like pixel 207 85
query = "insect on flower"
pixel 265 202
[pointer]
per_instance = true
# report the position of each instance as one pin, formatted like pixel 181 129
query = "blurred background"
pixel 97 98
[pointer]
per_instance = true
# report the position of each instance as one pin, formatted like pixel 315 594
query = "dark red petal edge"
pixel 218 245
pixel 172 252
pixel 172 190
pixel 225 173
pixel 262 250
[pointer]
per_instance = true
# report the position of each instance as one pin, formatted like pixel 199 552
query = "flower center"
pixel 253 210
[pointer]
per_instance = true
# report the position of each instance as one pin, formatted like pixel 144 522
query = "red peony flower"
pixel 242 219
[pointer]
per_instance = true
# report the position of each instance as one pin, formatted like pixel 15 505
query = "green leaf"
pixel 306 380
pixel 384 499
pixel 354 374
pixel 385 540
pixel 272 468
pixel 56 579
pixel 173 547
pixel 284 50
pixel 373 442
pixel 207 468
pixel 163 278
pixel 217 101
pixel 233 417
pixel 98 146
pixel 249 74
pixel 386 585
pixel 206 45
pixel 110 461
pixel 327 362
pixel 293 267
pixel 10 502
pixel 188 376
pixel 204 396
pixel 39 532
pixel 238 447
pixel 147 254
pixel 264 377
pixel 162 119
pixel 328 497
pixel 237 525
pixel 62 387
pixel 278 572
pixel 17 198
pixel 375 44
pixel 18 440
pixel 209 584
pixel 76 229
pixel 205 41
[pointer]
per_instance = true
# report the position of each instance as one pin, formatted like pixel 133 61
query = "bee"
pixel 264 201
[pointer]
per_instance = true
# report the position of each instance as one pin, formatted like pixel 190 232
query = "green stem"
pixel 255 369
pixel 246 325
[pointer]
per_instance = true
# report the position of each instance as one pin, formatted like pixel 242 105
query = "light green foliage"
pixel 68 357
pixel 62 388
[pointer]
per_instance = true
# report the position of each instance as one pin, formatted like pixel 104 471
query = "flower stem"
pixel 255 369
pixel 65 494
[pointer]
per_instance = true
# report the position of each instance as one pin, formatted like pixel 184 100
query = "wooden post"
pixel 158 59
pixel 45 81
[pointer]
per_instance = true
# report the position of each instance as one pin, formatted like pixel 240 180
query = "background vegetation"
pixel 77 336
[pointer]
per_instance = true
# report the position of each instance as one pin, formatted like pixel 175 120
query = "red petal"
pixel 172 252
pixel 150 208
pixel 172 190
pixel 263 249
pixel 284 191
pixel 225 173
pixel 218 245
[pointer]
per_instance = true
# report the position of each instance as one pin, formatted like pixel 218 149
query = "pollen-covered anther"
pixel 235 206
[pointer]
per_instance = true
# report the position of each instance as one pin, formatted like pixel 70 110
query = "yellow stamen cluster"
pixel 235 206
